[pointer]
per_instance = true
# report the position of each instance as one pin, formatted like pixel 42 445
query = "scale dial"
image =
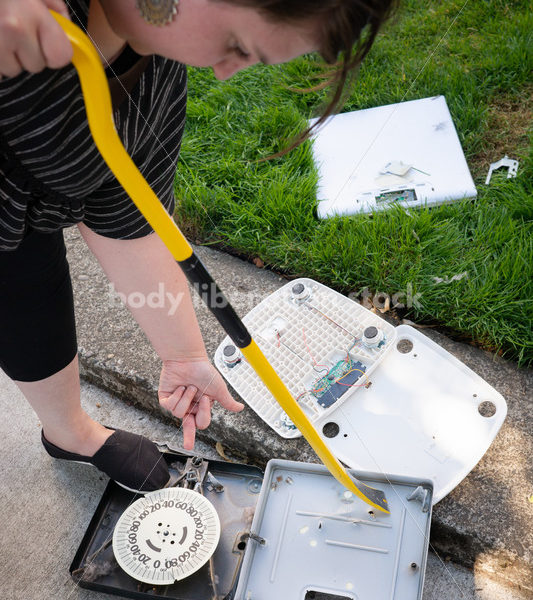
pixel 166 536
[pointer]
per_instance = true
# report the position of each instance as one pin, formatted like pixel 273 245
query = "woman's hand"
pixel 30 37
pixel 188 389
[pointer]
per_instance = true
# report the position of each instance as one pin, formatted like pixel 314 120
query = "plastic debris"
pixel 509 163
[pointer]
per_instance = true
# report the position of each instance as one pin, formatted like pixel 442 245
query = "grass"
pixel 268 210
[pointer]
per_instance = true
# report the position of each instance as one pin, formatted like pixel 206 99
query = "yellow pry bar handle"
pixel 100 117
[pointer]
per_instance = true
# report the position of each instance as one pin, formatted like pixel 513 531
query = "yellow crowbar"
pixel 100 117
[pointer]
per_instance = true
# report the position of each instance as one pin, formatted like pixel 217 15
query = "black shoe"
pixel 132 460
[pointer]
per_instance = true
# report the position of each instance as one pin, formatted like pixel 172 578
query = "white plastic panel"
pixel 303 336
pixel 421 417
pixel 365 157
pixel 315 536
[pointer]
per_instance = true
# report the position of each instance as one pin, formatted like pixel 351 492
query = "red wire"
pixel 308 349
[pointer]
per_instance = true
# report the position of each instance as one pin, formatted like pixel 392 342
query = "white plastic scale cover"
pixel 407 153
pixel 311 538
pixel 385 399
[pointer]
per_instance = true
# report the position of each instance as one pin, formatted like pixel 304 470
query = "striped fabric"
pixel 51 173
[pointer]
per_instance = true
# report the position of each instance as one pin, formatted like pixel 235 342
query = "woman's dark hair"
pixel 348 29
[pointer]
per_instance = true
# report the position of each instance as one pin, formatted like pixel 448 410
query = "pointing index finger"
pixel 189 431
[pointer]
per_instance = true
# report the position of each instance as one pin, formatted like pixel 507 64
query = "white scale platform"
pixel 423 414
pixel 407 153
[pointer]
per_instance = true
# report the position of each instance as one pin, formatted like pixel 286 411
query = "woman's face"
pixel 212 33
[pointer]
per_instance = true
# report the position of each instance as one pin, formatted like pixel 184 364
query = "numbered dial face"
pixel 166 536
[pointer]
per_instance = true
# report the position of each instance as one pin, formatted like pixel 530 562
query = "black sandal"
pixel 131 460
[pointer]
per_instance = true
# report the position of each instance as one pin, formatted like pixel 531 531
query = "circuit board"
pixel 337 381
pixel 406 195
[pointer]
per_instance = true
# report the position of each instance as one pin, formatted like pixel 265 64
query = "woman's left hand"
pixel 188 389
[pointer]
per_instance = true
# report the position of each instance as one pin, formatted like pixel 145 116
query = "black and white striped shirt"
pixel 51 173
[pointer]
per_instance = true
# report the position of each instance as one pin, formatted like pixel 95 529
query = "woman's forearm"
pixel 151 283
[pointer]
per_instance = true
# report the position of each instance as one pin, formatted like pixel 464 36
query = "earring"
pixel 158 12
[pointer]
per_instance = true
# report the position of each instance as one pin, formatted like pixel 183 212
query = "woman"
pixel 52 176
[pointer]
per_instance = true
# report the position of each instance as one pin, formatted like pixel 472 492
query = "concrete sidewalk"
pixel 484 523
pixel 46 505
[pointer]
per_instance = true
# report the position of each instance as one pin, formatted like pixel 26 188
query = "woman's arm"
pixel 189 383
pixel 143 272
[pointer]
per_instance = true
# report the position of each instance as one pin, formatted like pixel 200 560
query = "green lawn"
pixel 484 68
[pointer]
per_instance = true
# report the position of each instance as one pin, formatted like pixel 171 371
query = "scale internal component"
pixel 332 383
pixel 323 345
pixel 178 543
pixel 405 195
pixel 166 536
pixel 314 539
pixel 384 398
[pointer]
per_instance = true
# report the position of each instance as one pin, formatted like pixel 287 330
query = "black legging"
pixel 37 326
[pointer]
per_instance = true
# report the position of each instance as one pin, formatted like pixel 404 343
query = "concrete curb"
pixel 484 522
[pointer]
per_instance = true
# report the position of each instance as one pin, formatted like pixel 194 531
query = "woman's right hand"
pixel 30 38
